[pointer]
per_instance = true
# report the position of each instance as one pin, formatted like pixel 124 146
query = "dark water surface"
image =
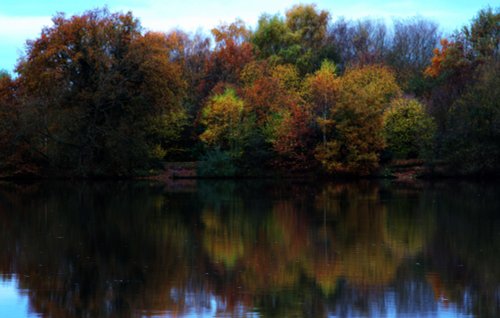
pixel 252 248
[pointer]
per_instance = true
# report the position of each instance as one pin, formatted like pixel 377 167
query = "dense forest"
pixel 97 95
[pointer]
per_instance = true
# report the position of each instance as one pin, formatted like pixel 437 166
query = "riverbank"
pixel 398 170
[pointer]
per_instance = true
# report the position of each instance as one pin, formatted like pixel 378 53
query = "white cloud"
pixel 446 16
pixel 19 28
pixel 14 31
pixel 156 22
pixel 191 15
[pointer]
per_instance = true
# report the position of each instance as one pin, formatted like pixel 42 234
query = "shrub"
pixel 217 163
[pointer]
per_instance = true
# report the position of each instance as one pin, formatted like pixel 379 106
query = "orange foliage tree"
pixel 102 97
pixel 283 116
pixel 232 52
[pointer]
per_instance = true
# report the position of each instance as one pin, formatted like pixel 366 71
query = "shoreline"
pixel 405 171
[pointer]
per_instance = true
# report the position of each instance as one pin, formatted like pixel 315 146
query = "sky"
pixel 21 20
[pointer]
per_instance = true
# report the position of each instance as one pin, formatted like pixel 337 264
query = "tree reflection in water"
pixel 274 248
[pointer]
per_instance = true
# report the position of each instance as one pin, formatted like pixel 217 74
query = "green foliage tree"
pixel 408 130
pixel 456 70
pixel 298 39
pixel 482 37
pixel 472 144
pixel 272 36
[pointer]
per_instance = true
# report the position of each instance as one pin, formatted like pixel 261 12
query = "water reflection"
pixel 263 248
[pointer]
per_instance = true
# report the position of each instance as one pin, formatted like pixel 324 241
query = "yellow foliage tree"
pixel 357 138
pixel 224 119
pixel 321 88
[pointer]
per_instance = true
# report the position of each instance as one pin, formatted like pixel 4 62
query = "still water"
pixel 252 249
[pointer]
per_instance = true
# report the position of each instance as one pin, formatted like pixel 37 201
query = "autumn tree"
pixel 223 117
pixel 293 139
pixel 450 60
pixel 159 113
pixel 228 126
pixel 191 52
pixel 321 89
pixel 284 118
pixel 262 91
pixel 447 74
pixel 104 99
pixel 270 89
pixel 364 94
pixel 231 53
pixel 267 93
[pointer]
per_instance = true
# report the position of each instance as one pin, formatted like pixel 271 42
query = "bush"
pixel 217 163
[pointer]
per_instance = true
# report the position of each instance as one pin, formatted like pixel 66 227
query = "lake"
pixel 250 248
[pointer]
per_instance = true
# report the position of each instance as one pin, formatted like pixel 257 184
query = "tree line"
pixel 97 95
